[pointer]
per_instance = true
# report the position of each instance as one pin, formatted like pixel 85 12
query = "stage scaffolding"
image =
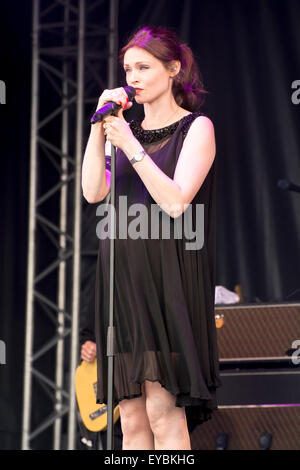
pixel 74 57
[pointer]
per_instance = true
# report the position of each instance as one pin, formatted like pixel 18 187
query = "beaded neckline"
pixel 154 135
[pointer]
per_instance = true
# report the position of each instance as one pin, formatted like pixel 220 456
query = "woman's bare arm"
pixel 95 178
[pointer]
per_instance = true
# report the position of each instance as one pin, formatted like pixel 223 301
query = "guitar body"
pixel 94 416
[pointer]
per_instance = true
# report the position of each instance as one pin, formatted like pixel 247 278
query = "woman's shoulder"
pixel 197 118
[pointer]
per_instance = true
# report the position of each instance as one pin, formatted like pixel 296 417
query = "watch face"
pixel 138 157
pixel 141 155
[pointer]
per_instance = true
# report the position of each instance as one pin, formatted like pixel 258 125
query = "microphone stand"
pixel 111 328
pixel 111 107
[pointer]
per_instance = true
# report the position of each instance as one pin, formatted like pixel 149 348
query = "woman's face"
pixel 146 74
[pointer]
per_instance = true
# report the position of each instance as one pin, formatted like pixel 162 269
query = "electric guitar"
pixel 94 416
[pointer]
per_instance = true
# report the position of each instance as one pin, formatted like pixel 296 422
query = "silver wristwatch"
pixel 138 157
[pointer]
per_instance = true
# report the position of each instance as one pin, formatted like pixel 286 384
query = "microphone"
pixel 110 107
pixel 285 184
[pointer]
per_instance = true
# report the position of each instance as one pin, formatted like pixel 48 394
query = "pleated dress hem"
pixel 198 407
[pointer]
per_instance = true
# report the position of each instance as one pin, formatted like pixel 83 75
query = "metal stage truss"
pixel 74 57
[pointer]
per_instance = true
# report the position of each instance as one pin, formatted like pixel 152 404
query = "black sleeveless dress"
pixel 164 285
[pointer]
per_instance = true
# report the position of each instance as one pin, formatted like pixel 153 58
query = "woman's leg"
pixel 167 421
pixel 137 434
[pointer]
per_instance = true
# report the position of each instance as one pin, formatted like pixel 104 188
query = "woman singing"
pixel 166 361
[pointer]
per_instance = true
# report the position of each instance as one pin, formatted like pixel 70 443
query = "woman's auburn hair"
pixel 164 44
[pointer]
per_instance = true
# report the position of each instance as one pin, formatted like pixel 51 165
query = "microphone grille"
pixel 130 91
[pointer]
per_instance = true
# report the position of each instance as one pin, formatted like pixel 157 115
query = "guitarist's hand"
pixel 88 351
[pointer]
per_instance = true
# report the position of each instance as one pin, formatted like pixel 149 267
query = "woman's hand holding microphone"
pixel 116 128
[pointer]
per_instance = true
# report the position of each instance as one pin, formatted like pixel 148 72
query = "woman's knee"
pixel 160 407
pixel 133 415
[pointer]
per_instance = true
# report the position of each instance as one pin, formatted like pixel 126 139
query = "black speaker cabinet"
pixel 259 352
pixel 244 426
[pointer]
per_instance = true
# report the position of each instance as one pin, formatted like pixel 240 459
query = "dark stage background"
pixel 249 55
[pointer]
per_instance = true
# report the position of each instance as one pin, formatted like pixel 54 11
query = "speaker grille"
pixel 258 331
